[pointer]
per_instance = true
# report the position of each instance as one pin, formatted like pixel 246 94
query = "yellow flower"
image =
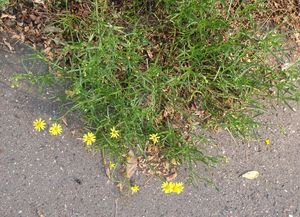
pixel 134 189
pixel 55 129
pixel 267 142
pixel 178 187
pixel 114 133
pixel 89 138
pixel 39 124
pixel 167 187
pixel 112 165
pixel 154 137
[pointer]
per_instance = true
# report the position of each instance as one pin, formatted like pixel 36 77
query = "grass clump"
pixel 163 67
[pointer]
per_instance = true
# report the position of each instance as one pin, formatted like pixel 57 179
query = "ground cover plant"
pixel 145 75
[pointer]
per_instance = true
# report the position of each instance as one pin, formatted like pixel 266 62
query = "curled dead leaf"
pixel 131 165
pixel 64 120
pixel 107 172
pixel 8 16
pixel 150 54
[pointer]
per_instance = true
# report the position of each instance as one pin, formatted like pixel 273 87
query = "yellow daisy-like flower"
pixel 154 138
pixel 112 165
pixel 167 187
pixel 114 133
pixel 267 142
pixel 89 138
pixel 55 129
pixel 39 124
pixel 134 189
pixel 178 187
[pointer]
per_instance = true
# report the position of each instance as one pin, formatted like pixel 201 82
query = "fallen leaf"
pixel 251 175
pixel 8 16
pixel 64 120
pixel 107 172
pixel 33 17
pixel 20 37
pixel 150 54
pixel 105 165
pixel 131 165
pixel 172 176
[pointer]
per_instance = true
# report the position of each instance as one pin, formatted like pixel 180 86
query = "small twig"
pixel 7 44
pixel 147 181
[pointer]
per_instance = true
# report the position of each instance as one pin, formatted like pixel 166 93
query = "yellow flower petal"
pixel 89 138
pixel 39 124
pixel 112 165
pixel 134 189
pixel 55 129
pixel 178 187
pixel 154 138
pixel 114 133
pixel 167 187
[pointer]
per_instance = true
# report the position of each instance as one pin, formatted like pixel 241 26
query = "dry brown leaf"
pixel 107 172
pixel 8 16
pixel 150 54
pixel 64 120
pixel 33 17
pixel 20 37
pixel 48 53
pixel 131 165
pixel 172 176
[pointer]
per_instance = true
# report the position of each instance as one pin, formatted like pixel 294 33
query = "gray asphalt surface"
pixel 47 176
